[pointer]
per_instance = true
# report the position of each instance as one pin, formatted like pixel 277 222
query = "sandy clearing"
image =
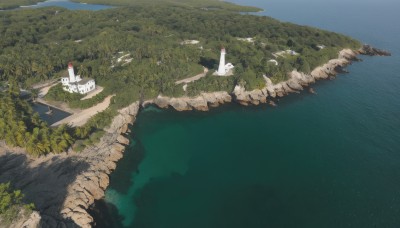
pixel 80 118
pixel 194 78
pixel 43 91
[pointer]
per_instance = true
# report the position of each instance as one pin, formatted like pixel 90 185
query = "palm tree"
pixel 35 94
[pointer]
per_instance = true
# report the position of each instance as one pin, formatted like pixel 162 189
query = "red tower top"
pixel 223 50
pixel 70 65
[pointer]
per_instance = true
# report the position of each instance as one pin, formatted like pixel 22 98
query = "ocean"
pixel 325 160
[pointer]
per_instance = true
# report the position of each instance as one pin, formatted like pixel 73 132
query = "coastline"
pixel 63 186
pixel 297 82
pixel 73 181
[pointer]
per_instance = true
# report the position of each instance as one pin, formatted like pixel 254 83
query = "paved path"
pixel 93 93
pixel 194 78
pixel 44 84
pixel 44 90
pixel 80 118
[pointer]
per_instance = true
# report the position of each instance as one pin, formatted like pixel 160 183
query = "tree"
pixel 11 203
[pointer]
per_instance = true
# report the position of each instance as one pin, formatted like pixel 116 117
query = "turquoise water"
pixel 69 5
pixel 326 160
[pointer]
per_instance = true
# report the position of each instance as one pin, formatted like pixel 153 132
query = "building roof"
pixel 84 81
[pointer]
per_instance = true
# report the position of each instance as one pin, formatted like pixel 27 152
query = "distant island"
pixel 185 54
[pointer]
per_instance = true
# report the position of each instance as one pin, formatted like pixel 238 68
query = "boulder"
pixel 198 103
pixel 294 84
pixel 179 104
pixel 162 102
pixel 371 51
pixel 210 98
pixel 279 90
pixel 123 140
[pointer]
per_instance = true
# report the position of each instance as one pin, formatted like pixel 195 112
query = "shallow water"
pixel 326 160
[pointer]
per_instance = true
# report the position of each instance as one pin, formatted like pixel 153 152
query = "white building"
pixel 75 84
pixel 224 69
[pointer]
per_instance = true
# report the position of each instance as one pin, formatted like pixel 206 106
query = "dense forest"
pixel 11 204
pixel 204 4
pixel 20 126
pixel 12 4
pixel 37 44
pixel 138 53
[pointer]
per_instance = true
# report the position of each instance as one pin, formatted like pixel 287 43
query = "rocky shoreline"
pixel 64 186
pixel 297 82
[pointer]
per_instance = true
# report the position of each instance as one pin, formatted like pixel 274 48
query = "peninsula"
pixel 147 52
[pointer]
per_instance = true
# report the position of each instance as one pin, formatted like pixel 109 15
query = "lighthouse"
pixel 221 68
pixel 71 73
pixel 75 84
pixel 224 69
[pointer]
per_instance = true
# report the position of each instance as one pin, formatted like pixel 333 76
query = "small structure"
pixel 273 61
pixel 285 53
pixel 186 42
pixel 320 47
pixel 292 53
pixel 249 39
pixel 75 84
pixel 224 69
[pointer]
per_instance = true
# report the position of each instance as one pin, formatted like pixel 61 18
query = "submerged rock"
pixel 311 90
pixel 371 51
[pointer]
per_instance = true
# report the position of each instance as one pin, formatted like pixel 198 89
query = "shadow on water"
pixel 105 215
pixel 53 117
pixel 127 166
pixel 45 184
pixel 146 215
pixel 259 202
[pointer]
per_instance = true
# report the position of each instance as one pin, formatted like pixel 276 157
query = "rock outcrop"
pixel 91 184
pixel 296 82
pixel 371 51
pixel 24 219
pixel 63 186
pixel 199 103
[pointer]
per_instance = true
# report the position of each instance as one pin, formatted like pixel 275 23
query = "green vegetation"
pixel 93 130
pixel 204 4
pixel 12 4
pixel 56 93
pixel 11 203
pixel 20 126
pixel 37 44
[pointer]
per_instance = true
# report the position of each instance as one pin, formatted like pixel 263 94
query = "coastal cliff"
pixel 199 103
pixel 297 82
pixel 64 186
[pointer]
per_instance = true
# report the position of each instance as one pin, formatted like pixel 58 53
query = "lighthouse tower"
pixel 221 68
pixel 71 73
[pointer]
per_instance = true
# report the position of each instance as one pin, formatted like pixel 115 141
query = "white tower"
pixel 71 73
pixel 221 68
